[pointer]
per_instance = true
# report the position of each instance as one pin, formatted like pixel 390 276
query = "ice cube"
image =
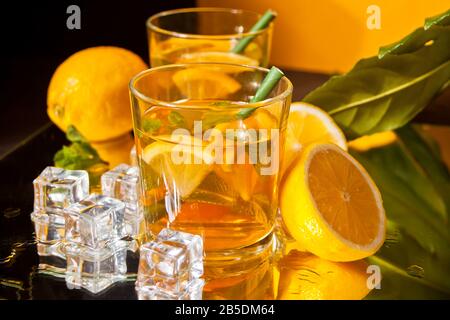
pixel 133 226
pixel 193 291
pixel 192 243
pixel 122 183
pixel 49 227
pixel 133 223
pixel 56 189
pixel 95 269
pixel 95 221
pixel 49 230
pixel 164 266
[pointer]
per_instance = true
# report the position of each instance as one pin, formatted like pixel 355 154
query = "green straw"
pixel 267 85
pixel 265 20
pixel 269 82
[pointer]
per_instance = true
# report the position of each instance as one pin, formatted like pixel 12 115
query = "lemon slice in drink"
pixel 309 124
pixel 243 177
pixel 183 167
pixel 331 206
pixel 201 83
pixel 167 52
pixel 219 57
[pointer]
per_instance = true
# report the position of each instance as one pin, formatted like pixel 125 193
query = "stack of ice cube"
pixel 122 183
pixel 170 267
pixel 86 231
pixel 54 190
pixel 96 255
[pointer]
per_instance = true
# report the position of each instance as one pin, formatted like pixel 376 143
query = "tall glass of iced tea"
pixel 207 35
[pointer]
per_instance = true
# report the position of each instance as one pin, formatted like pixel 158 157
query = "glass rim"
pixel 157 102
pixel 176 34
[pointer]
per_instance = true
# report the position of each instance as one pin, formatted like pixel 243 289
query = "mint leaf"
pixel 224 103
pixel 79 155
pixel 151 125
pixel 73 135
pixel 211 119
pixel 176 120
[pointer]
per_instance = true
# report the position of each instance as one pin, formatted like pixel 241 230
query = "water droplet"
pixel 392 237
pixel 415 271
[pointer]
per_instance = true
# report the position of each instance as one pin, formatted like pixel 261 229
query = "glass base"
pixel 219 257
pixel 247 274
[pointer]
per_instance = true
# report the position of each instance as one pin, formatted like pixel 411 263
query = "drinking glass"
pixel 206 35
pixel 209 158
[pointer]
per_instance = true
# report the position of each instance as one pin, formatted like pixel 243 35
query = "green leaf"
pixel 415 258
pixel 213 118
pixel 411 43
pixel 441 20
pixel 422 151
pixel 151 125
pixel 224 103
pixel 408 271
pixel 176 119
pixel 73 135
pixel 419 37
pixel 385 93
pixel 79 155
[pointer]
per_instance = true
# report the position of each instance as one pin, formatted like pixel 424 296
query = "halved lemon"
pixel 182 167
pixel 219 57
pixel 331 206
pixel 309 124
pixel 202 83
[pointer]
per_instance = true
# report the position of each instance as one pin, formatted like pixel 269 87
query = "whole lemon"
pixel 89 90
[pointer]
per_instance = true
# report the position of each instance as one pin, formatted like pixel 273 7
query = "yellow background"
pixel 331 35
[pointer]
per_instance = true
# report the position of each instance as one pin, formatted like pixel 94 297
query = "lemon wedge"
pixel 183 167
